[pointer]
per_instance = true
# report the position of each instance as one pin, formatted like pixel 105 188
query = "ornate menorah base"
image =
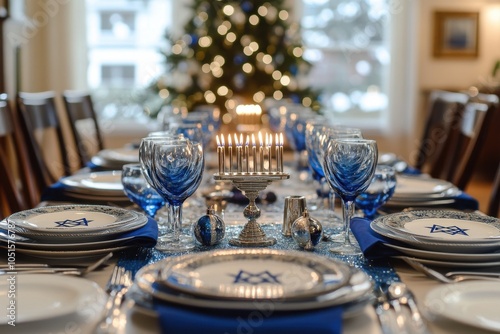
pixel 251 184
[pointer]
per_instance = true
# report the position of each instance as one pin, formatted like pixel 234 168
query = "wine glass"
pixel 176 172
pixel 379 191
pixel 139 191
pixel 145 158
pixel 349 165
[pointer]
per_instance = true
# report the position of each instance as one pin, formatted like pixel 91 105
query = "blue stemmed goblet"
pixel 139 191
pixel 349 167
pixel 379 191
pixel 176 173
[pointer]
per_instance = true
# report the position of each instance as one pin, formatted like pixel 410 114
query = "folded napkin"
pixel 177 319
pixel 370 242
pixel 144 236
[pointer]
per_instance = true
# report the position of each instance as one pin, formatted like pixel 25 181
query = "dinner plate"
pixel 418 186
pixel 72 218
pixel 125 155
pixel 456 264
pixel 443 226
pixel 77 236
pixel 42 297
pixel 447 256
pixel 358 288
pixel 106 183
pixel 25 242
pixel 476 304
pixel 254 274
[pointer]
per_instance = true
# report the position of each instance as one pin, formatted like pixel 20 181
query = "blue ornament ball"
pixel 210 229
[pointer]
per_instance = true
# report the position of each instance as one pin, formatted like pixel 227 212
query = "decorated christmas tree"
pixel 236 52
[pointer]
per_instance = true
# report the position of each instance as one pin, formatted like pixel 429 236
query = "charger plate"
pixel 357 289
pixel 254 274
pixel 43 297
pixel 72 218
pixel 447 256
pixel 472 303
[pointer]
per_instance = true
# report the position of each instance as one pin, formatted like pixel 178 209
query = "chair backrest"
pixel 494 204
pixel 39 121
pixel 19 190
pixel 469 138
pixel 79 107
pixel 444 110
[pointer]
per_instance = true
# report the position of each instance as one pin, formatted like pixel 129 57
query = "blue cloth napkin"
pixel 177 319
pixel 370 242
pixel 145 236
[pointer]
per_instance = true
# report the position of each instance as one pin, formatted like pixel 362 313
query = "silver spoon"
pixel 399 291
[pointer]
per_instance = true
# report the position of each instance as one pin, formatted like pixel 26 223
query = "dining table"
pixel 382 268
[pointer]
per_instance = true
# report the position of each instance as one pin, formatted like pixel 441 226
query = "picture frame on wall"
pixel 456 34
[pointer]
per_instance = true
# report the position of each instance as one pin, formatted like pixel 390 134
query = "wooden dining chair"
pixel 18 191
pixel 46 145
pixel 494 204
pixel 444 110
pixel 468 138
pixel 80 109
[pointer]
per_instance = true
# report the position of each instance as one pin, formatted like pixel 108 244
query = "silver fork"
pixel 440 277
pixel 117 286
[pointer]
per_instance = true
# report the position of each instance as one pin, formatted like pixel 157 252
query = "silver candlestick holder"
pixel 251 184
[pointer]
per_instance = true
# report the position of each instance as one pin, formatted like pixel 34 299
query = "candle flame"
pixel 241 139
pixel 253 140
pixel 229 142
pixel 281 139
pixel 236 141
pixel 276 140
pixel 260 139
pixel 218 141
pixel 248 140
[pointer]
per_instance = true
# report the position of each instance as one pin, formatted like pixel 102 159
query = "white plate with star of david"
pixel 72 218
pixel 254 274
pixel 441 230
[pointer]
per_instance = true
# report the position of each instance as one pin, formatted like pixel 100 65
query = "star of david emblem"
pixel 244 276
pixel 451 230
pixel 73 223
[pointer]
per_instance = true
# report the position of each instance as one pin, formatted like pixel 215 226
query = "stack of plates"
pixel 69 231
pixel 116 158
pixel 422 191
pixel 98 186
pixel 441 237
pixel 237 279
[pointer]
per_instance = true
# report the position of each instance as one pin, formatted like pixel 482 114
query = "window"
pixel 347 43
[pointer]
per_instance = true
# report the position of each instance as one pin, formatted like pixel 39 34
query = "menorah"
pixel 251 174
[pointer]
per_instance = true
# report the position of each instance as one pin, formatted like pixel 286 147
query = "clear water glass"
pixel 139 191
pixel 380 190
pixel 349 167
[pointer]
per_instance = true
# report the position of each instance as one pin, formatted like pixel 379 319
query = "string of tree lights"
pixel 235 52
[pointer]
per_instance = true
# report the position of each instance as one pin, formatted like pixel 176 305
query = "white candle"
pixel 254 153
pixel 220 155
pixel 270 152
pixel 230 145
pixel 239 163
pixel 281 152
pixel 261 153
pixel 277 151
pixel 246 153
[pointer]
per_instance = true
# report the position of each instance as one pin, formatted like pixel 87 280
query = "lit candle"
pixel 254 153
pixel 261 152
pixel 281 152
pixel 239 163
pixel 277 151
pixel 269 151
pixel 230 145
pixel 220 154
pixel 247 153
pixel 267 161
